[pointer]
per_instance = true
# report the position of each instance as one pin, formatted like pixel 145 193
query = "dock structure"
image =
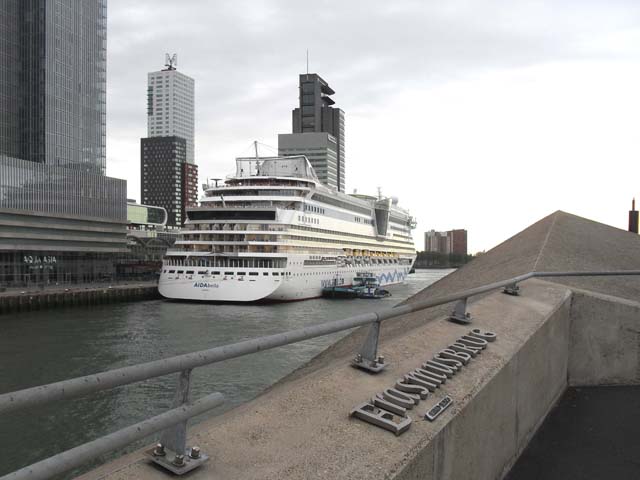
pixel 55 297
pixel 555 333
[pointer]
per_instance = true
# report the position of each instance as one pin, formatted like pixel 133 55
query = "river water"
pixel 48 346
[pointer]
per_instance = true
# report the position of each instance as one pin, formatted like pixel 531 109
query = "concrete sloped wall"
pixel 487 436
pixel 590 339
pixel 605 340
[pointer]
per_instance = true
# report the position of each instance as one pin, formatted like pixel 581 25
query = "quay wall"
pixel 589 340
pixel 43 300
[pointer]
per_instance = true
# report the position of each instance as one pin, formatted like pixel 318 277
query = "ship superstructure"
pixel 272 231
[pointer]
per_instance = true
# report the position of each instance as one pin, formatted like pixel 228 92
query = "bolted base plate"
pixel 462 319
pixel 166 460
pixel 514 291
pixel 369 365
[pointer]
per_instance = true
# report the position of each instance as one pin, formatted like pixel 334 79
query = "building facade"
pixel 316 114
pixel 452 242
pixel 320 148
pixel 170 106
pixel 53 82
pixel 61 218
pixel 166 179
pixel 147 242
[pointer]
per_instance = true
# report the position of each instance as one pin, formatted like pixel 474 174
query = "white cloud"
pixel 484 115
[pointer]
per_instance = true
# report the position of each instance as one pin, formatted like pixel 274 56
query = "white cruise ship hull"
pixel 273 232
pixel 296 283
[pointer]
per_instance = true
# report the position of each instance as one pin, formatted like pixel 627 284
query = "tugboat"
pixel 369 286
pixel 365 285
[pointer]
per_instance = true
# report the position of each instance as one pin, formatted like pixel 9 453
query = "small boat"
pixel 365 285
pixel 377 293
pixel 340 291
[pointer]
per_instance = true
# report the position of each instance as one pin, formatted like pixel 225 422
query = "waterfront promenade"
pixel 557 333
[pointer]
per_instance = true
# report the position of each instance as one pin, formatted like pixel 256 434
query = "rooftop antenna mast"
pixel 307 61
pixel 171 61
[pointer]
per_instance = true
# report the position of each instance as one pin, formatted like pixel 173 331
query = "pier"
pixel 17 300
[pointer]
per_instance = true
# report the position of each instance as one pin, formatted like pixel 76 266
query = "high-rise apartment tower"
pixel 168 174
pixel 170 105
pixel 167 180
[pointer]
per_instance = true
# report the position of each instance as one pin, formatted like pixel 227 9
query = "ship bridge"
pixel 287 167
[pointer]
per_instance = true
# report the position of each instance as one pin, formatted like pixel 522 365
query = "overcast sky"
pixel 484 115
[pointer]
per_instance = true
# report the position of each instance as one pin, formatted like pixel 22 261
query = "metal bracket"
pixel 460 314
pixel 512 289
pixel 172 453
pixel 368 358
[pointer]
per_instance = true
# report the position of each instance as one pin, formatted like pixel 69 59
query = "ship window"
pixel 228 273
pixel 180 271
pixel 215 273
pixel 202 272
pixel 190 272
pixel 275 274
pixel 172 271
pixel 265 274
pixel 253 273
pixel 242 273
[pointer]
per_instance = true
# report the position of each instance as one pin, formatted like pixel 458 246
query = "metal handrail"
pixel 367 358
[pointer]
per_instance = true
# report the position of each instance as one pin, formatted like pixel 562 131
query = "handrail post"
pixel 172 452
pixel 368 358
pixel 460 314
pixel 512 289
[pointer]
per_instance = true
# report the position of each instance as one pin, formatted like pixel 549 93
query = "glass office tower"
pixel 53 82
pixel 61 218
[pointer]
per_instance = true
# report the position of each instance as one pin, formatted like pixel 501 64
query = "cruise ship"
pixel 273 232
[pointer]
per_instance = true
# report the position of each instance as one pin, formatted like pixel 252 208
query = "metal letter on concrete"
pixel 403 385
pixel 380 402
pixel 381 418
pixel 488 336
pixel 368 358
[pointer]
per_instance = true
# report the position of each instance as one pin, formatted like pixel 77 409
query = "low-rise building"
pixel 148 238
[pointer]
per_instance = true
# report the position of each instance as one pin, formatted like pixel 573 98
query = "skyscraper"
pixel 170 105
pixel 53 82
pixel 168 174
pixel 316 114
pixel 61 218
